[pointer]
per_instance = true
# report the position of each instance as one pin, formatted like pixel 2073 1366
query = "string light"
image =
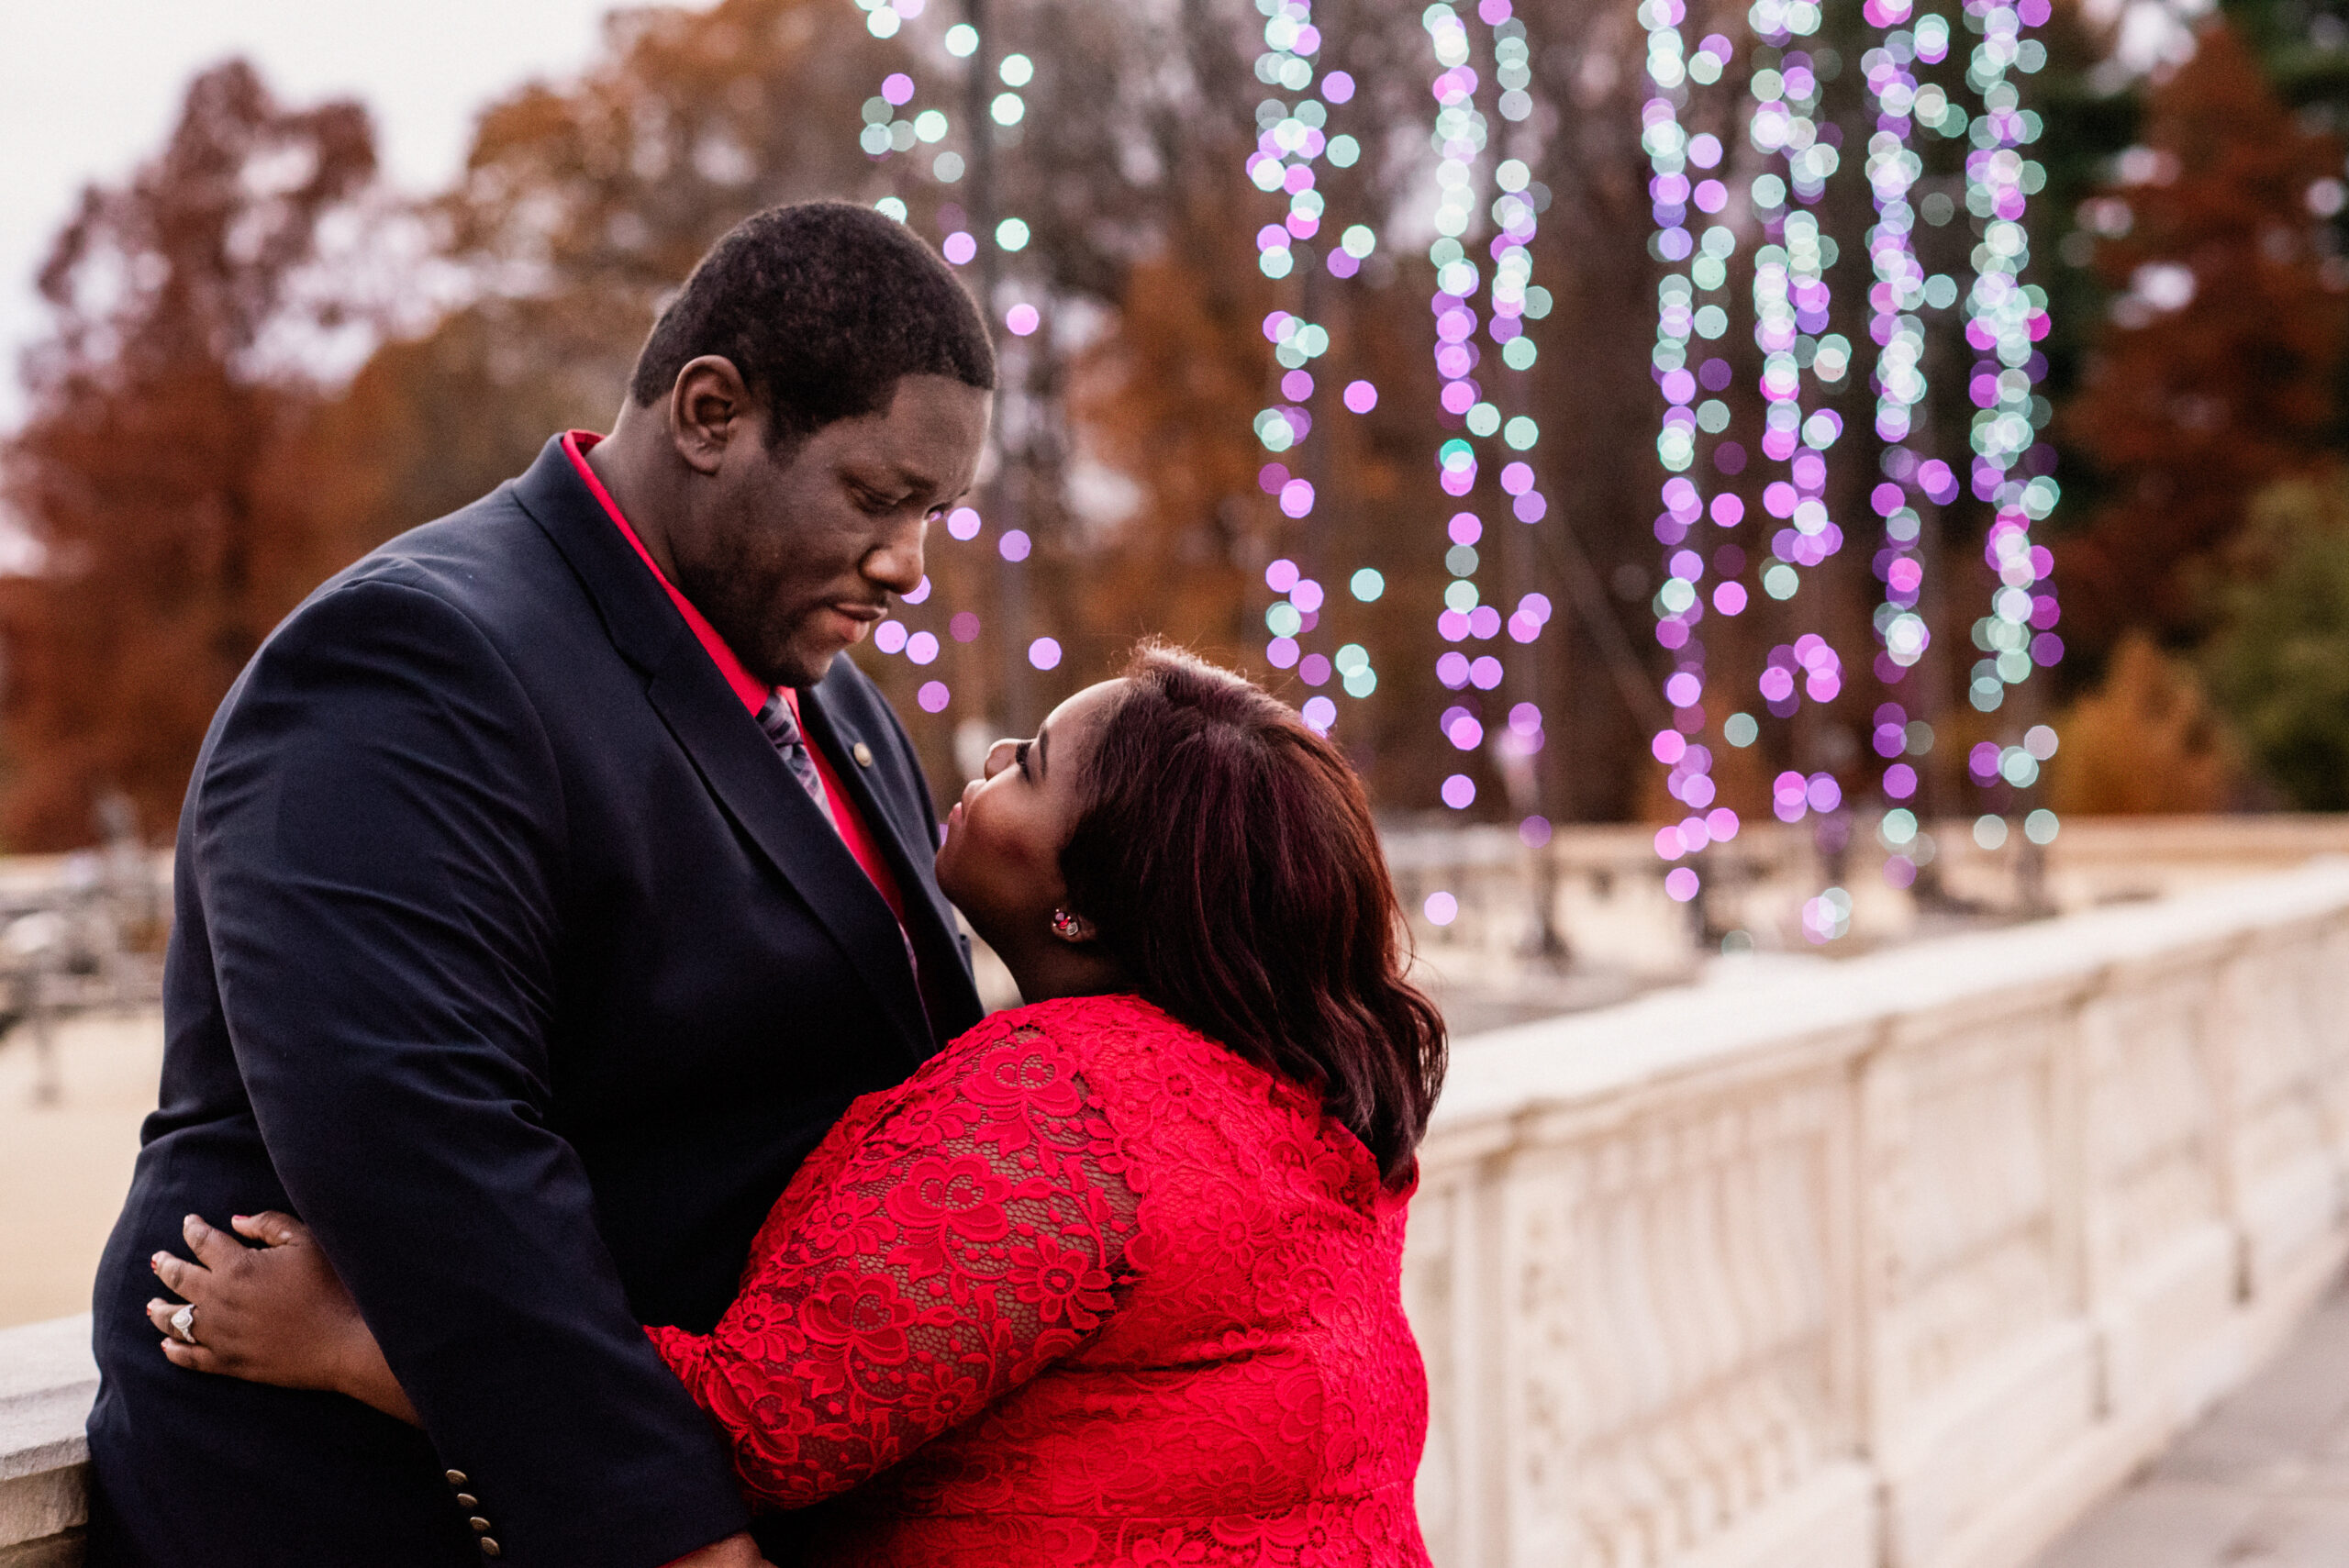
pixel 1680 314
pixel 1901 290
pixel 1459 138
pixel 895 130
pixel 1516 300
pixel 1291 137
pixel 2010 470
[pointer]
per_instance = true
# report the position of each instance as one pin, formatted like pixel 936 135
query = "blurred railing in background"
pixel 79 933
pixel 1585 920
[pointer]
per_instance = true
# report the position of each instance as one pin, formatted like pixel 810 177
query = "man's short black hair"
pixel 821 306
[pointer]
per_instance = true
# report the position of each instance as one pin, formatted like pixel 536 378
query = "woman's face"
pixel 1001 861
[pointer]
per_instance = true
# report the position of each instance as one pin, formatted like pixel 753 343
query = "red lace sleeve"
pixel 927 1263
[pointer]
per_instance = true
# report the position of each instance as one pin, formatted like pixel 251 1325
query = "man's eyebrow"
pixel 911 479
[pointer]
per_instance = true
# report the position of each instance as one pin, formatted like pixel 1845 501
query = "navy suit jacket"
pixel 509 956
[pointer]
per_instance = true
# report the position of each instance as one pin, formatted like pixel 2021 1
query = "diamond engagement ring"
pixel 183 1324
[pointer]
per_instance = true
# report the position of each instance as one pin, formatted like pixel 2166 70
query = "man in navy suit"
pixel 546 888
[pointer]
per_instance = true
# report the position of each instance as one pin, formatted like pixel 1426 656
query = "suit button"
pixel 467 1500
pixel 490 1548
pixel 481 1527
pixel 456 1478
pixel 862 754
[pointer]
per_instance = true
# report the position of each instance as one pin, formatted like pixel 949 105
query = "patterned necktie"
pixel 783 734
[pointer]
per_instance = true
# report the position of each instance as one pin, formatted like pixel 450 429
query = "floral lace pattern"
pixel 1087 1289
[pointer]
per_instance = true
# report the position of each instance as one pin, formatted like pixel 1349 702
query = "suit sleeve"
pixel 379 851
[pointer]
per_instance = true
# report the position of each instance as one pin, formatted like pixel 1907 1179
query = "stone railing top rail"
pixel 46 1380
pixel 1792 1001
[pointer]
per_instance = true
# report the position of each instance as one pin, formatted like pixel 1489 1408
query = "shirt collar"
pixel 746 687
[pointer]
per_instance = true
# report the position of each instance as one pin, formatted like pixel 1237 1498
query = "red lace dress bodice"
pixel 1085 1289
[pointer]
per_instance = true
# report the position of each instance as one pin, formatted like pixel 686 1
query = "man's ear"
pixel 707 406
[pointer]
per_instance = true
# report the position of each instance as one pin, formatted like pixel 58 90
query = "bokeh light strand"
pixel 1291 137
pixel 1897 298
pixel 1694 269
pixel 901 138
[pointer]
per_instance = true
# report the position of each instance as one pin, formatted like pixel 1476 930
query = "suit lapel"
pixel 743 772
pixel 906 835
pixel 724 743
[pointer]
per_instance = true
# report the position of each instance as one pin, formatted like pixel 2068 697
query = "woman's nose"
pixel 999 757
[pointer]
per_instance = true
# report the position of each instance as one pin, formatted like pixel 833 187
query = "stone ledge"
pixel 1669 1035
pixel 47 1381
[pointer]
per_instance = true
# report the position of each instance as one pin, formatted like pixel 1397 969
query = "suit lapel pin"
pixel 862 754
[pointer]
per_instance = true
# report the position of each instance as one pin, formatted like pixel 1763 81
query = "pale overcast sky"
pixel 90 87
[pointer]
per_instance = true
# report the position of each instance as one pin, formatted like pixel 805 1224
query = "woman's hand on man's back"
pixel 275 1312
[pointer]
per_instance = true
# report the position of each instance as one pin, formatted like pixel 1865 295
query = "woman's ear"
pixel 1072 928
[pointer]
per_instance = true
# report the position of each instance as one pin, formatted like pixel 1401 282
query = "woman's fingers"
pixel 214 1249
pixel 195 1358
pixel 181 1277
pixel 270 1229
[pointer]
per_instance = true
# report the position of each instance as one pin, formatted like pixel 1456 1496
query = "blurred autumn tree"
pixel 2214 377
pixel 149 473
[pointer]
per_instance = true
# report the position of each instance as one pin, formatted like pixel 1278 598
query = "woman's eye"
pixel 1019 756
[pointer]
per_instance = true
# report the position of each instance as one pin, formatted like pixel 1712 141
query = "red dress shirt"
pixel 746 687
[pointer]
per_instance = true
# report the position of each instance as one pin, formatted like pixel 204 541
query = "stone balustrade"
pixel 47 1381
pixel 1901 1261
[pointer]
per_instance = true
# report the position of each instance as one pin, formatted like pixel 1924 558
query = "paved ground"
pixel 2261 1482
pixel 65 1167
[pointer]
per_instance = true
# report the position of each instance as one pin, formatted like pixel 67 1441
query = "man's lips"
pixel 856 619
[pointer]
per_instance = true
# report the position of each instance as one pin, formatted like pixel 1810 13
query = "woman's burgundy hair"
pixel 1227 856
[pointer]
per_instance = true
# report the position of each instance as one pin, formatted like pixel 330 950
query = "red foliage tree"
pixel 151 473
pixel 2214 375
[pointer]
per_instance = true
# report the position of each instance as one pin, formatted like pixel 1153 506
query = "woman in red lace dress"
pixel 1115 1277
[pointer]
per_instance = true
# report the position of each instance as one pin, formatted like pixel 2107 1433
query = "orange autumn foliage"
pixel 153 474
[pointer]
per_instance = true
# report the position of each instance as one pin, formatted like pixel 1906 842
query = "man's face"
pixel 793 556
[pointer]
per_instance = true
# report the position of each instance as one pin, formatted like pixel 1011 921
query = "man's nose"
pixel 896 563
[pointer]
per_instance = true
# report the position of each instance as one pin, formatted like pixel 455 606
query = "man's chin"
pixel 798 670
